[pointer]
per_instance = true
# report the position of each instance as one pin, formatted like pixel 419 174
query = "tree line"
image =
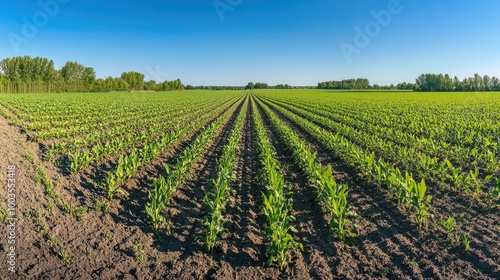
pixel 252 85
pixel 440 82
pixel 362 84
pixel 24 74
pixel 359 83
pixel 425 82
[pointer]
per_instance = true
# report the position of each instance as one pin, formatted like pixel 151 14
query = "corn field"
pixel 273 183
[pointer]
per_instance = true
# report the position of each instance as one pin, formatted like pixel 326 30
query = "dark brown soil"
pixel 107 244
pixel 388 236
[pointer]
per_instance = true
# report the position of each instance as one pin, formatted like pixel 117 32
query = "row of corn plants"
pixel 410 193
pixel 424 163
pixel 142 112
pixel 333 195
pixel 73 131
pixel 72 145
pixel 276 206
pixel 164 187
pixel 459 167
pixel 446 126
pixel 63 107
pixel 216 200
pixel 103 119
pixel 128 165
pixel 83 159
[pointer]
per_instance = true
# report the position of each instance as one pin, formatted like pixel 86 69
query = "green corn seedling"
pixel 420 201
pixel 156 204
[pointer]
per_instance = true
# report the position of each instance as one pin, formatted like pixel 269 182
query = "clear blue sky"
pixel 273 41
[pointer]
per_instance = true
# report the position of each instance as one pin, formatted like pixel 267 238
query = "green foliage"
pixel 407 191
pixel 467 241
pixel 440 82
pixel 276 205
pixel 139 253
pixel 101 205
pixel 64 255
pixel 332 195
pixel 24 74
pixel 216 200
pixel 157 199
pixel 3 215
pixel 345 84
pixel 165 187
pixel 495 191
pixel 107 235
pixel 450 225
pixel 419 200
pixel 135 80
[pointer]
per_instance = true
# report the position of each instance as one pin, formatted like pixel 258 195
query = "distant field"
pixel 255 184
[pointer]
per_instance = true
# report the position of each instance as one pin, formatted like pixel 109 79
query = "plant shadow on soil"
pixel 389 243
pixel 390 229
pixel 186 210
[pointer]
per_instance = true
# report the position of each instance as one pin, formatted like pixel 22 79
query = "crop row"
pixel 216 200
pixel 333 195
pixel 128 165
pixel 483 152
pixel 276 206
pixel 404 187
pixel 72 145
pixel 82 159
pixel 165 186
pixel 410 159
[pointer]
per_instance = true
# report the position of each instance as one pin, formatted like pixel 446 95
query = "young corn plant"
pixel 467 241
pixel 340 213
pixel 79 160
pixel 474 181
pixel 156 205
pixel 455 176
pixel 403 185
pixel 494 192
pixel 450 226
pixel 214 220
pixel 420 201
pixel 277 210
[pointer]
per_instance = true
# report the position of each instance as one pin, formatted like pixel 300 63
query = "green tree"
pixel 457 85
pixel 448 83
pixel 478 82
pixel 487 83
pixel 135 80
pixel 150 85
pixel 495 83
pixel 72 71
pixel 88 76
